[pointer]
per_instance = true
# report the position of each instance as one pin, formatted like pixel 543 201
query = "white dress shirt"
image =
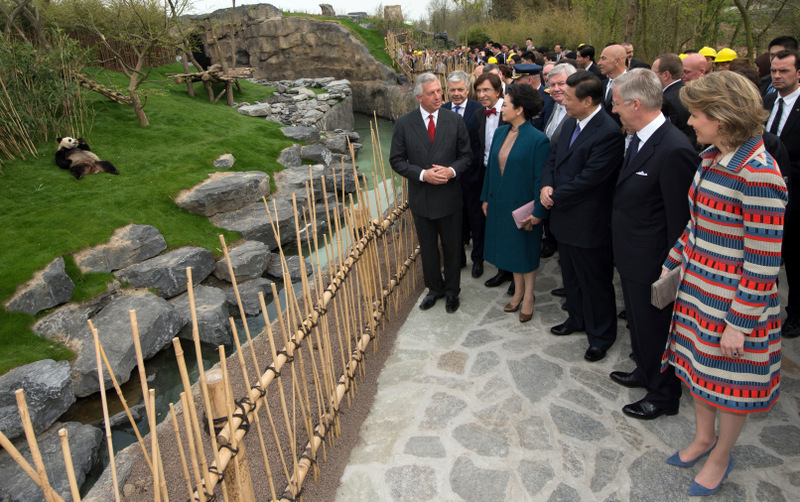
pixel 435 116
pixel 492 121
pixel 788 105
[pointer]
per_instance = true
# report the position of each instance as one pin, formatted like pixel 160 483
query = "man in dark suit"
pixel 586 60
pixel 649 214
pixel 631 62
pixel 472 180
pixel 430 147
pixel 577 185
pixel 669 70
pixel 783 43
pixel 531 74
pixel 784 121
pixel 612 64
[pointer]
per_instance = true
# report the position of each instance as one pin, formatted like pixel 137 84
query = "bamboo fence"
pixel 294 402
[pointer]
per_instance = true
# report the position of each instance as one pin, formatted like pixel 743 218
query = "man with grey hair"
pixel 472 181
pixel 649 213
pixel 430 147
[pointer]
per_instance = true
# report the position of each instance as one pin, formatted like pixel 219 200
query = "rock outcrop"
pixel 48 393
pixel 211 306
pixel 167 273
pixel 223 192
pixel 248 261
pixel 128 245
pixel 248 293
pixel 48 288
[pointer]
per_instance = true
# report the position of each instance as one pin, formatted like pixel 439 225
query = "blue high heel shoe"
pixel 698 490
pixel 676 458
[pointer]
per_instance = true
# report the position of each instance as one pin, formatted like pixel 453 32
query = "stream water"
pixel 162 370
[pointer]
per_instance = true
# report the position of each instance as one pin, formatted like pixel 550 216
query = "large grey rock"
pixel 103 489
pixel 253 223
pixel 327 10
pixel 224 192
pixel 224 161
pixel 167 273
pixel 248 293
pixel 248 261
pixel 295 272
pixel 211 306
pixel 290 156
pixel 301 133
pixel 336 175
pixel 256 110
pixel 340 115
pixel 128 245
pixel 48 392
pixel 69 319
pixel 158 323
pixel 294 179
pixel 49 287
pixel 84 441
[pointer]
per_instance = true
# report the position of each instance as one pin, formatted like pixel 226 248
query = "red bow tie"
pixel 490 111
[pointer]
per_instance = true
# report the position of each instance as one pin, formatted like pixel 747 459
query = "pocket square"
pixel 641 173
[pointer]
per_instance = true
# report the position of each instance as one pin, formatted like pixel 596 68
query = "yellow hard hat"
pixel 725 55
pixel 708 52
pixel 681 56
pixel 492 60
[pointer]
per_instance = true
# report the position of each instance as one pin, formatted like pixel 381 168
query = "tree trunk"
pixel 747 24
pixel 631 18
pixel 189 83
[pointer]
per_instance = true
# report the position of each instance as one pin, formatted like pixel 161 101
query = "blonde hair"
pixel 732 100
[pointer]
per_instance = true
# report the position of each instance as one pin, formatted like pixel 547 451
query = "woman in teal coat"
pixel 518 154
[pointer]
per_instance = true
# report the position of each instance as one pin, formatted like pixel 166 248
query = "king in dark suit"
pixel 649 213
pixel 577 186
pixel 431 148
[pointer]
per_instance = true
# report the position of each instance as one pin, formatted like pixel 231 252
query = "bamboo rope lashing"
pixel 154 454
pixel 104 404
pixel 176 429
pixel 336 310
pixel 68 465
pixel 243 486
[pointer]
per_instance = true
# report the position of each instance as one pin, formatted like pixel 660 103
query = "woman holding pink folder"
pixel 517 156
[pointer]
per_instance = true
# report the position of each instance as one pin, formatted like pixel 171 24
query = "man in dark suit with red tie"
pixel 472 180
pixel 577 186
pixel 784 121
pixel 649 213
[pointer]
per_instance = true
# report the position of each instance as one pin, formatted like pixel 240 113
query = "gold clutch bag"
pixel 664 290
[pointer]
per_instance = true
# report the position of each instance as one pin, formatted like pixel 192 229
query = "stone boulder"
pixel 253 223
pixel 387 100
pixel 84 441
pixel 248 261
pixel 327 10
pixel 293 264
pixel 128 245
pixel 340 115
pixel 211 306
pixel 158 323
pixel 248 292
pixel 317 154
pixel 48 392
pixel 70 319
pixel 301 133
pixel 224 161
pixel 224 192
pixel 340 175
pixel 290 156
pixel 167 273
pixel 294 179
pixel 49 287
pixel 256 110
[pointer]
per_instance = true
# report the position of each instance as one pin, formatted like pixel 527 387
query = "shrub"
pixel 474 35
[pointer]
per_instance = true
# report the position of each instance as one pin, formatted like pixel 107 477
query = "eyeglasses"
pixel 620 103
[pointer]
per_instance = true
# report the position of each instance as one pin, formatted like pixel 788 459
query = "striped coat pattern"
pixel 730 254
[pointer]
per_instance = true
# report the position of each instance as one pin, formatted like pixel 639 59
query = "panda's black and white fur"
pixel 75 155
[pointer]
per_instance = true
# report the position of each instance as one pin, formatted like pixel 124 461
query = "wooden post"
pixel 240 486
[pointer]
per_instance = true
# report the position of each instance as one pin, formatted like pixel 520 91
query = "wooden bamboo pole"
pixel 151 418
pixel 25 416
pixel 70 468
pixel 190 440
pixel 179 442
pixel 111 462
pixel 32 473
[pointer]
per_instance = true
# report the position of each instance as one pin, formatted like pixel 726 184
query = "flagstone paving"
pixel 476 406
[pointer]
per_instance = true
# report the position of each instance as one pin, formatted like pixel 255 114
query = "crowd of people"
pixel 684 164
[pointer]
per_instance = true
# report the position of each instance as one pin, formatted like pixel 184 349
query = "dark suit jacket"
pixel 596 70
pixel 480 119
pixel 650 209
pixel 540 120
pixel 583 178
pixel 475 173
pixel 635 63
pixel 790 135
pixel 677 113
pixel 412 152
pixel 608 104
pixel 766 80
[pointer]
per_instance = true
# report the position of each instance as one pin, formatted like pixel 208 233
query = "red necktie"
pixel 431 127
pixel 490 111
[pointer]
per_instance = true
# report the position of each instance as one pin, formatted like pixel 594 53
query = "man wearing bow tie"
pixel 489 89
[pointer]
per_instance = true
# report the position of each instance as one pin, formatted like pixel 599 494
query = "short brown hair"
pixel 786 54
pixel 492 78
pixel 671 63
pixel 732 100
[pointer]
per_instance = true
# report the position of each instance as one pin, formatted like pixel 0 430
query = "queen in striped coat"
pixel 725 336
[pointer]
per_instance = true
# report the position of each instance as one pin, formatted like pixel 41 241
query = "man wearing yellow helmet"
pixel 710 54
pixel 724 58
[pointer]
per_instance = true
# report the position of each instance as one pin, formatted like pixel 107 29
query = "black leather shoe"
pixel 559 292
pixel 626 379
pixel 645 410
pixel 791 328
pixel 501 277
pixel 512 288
pixel 429 301
pixel 622 314
pixel 547 251
pixel 594 354
pixel 477 269
pixel 562 330
pixel 452 304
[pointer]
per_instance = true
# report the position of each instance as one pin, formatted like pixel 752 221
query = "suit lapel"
pixel 646 151
pixel 421 130
pixel 791 121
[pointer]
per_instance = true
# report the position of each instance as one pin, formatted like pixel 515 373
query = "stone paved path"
pixel 476 406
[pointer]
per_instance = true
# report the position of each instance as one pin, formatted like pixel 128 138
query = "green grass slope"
pixel 47 213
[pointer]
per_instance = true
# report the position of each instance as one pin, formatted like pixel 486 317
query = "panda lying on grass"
pixel 75 155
